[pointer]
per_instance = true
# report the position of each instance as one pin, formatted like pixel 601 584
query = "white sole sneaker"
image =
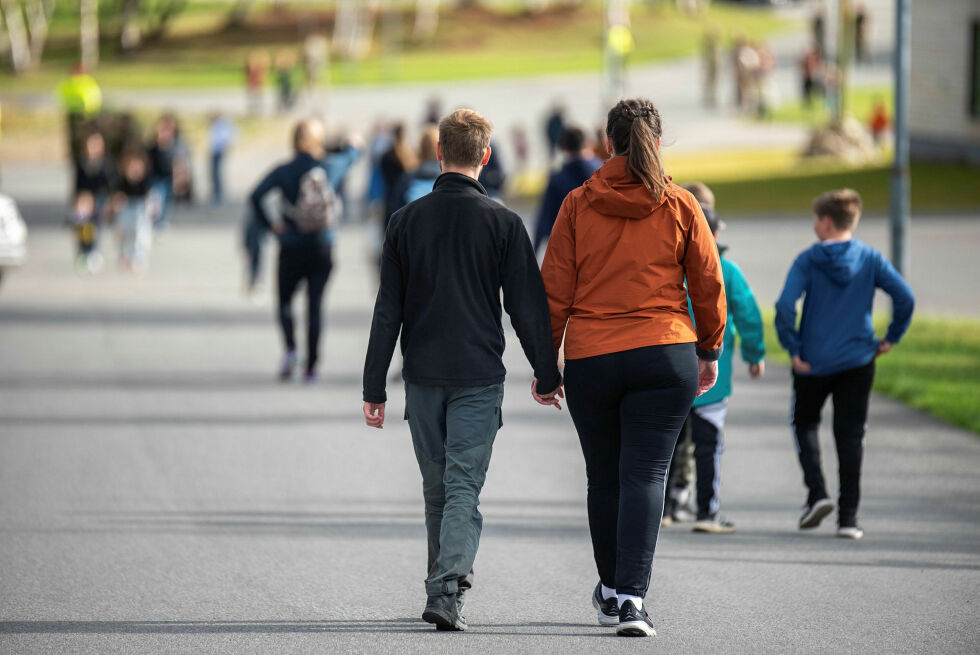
pixel 850 533
pixel 636 629
pixel 713 527
pixel 817 513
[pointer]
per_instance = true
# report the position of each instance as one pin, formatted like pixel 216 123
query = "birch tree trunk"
pixel 20 48
pixel 38 15
pixel 89 32
pixel 426 20
pixel 129 32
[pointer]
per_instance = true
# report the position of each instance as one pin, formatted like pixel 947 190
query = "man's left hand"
pixel 547 398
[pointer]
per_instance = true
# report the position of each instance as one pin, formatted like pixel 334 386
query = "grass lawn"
pixel 935 368
pixel 470 43
pixel 779 182
pixel 860 102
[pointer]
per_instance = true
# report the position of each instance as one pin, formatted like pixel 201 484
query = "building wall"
pixel 939 119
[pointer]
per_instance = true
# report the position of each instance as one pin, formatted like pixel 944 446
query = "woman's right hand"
pixel 707 375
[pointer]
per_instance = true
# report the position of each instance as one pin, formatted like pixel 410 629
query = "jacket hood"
pixel 612 190
pixel 840 261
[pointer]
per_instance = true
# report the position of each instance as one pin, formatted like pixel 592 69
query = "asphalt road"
pixel 159 492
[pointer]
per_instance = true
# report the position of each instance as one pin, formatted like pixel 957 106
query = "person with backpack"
pixel 310 210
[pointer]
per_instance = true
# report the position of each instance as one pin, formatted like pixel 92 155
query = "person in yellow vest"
pixel 81 98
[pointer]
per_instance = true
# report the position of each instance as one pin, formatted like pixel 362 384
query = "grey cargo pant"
pixel 453 429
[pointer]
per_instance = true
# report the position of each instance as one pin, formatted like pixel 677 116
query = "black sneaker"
pixel 444 612
pixel 716 524
pixel 814 513
pixel 634 622
pixel 608 610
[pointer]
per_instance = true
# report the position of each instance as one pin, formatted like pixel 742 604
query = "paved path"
pixel 159 493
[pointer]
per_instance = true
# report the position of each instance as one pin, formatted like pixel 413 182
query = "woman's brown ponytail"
pixel 634 127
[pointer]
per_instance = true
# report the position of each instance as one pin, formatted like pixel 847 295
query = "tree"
pixel 89 32
pixel 26 24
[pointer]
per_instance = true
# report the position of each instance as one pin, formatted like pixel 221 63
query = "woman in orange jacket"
pixel 627 249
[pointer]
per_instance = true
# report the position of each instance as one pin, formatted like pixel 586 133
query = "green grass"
pixel 935 368
pixel 860 102
pixel 470 44
pixel 780 182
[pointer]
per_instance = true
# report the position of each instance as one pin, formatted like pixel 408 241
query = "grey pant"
pixel 453 429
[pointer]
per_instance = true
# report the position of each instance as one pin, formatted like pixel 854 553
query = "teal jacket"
pixel 744 321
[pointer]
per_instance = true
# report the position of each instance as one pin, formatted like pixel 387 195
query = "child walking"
pixel 835 347
pixel 134 223
pixel 706 421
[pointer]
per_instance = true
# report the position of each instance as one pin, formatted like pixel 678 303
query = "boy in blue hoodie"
pixel 834 349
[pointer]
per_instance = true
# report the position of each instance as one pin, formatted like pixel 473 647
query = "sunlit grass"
pixel 935 368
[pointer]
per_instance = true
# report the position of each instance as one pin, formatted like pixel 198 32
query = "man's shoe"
pixel 443 611
pixel 716 524
pixel 634 622
pixel 816 512
pixel 608 610
pixel 850 532
pixel 683 513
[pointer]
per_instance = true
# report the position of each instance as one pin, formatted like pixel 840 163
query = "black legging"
pixel 312 264
pixel 628 408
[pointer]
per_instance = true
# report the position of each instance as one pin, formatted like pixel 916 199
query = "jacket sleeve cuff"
pixel 376 397
pixel 709 355
pixel 549 383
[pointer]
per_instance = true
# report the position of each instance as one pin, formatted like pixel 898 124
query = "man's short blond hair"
pixel 841 206
pixel 464 136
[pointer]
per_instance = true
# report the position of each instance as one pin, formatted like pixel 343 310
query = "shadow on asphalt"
pixel 387 626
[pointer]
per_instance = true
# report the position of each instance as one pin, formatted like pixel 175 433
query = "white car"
pixel 13 235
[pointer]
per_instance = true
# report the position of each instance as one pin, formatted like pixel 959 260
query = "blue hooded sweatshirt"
pixel 838 281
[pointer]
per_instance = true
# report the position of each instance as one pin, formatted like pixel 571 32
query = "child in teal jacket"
pixel 706 420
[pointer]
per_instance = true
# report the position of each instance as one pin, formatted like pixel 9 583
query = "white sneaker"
pixel 850 532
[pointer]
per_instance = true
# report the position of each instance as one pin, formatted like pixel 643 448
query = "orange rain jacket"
pixel 616 265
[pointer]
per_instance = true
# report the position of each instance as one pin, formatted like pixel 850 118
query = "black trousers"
pixel 628 408
pixel 312 264
pixel 851 391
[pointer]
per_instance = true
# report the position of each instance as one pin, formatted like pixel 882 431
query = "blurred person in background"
pixel 133 222
pixel 221 137
pixel 316 60
pixel 579 165
pixel 879 121
pixel 493 176
pixel 554 127
pixel 419 182
pixel 861 31
pixel 256 68
pixel 337 165
pixel 398 160
pixel 811 73
pixel 286 79
pixel 81 100
pixel 711 53
pixel 95 178
pixel 169 169
pixel 309 211
pixel 522 148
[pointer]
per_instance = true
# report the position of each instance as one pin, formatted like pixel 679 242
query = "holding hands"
pixel 547 398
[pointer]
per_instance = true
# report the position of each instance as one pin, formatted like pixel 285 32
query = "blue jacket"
pixel 744 320
pixel 570 176
pixel 838 281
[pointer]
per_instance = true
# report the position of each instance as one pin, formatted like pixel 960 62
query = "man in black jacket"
pixel 446 257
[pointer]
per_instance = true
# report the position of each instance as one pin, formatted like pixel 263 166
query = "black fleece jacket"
pixel 445 259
